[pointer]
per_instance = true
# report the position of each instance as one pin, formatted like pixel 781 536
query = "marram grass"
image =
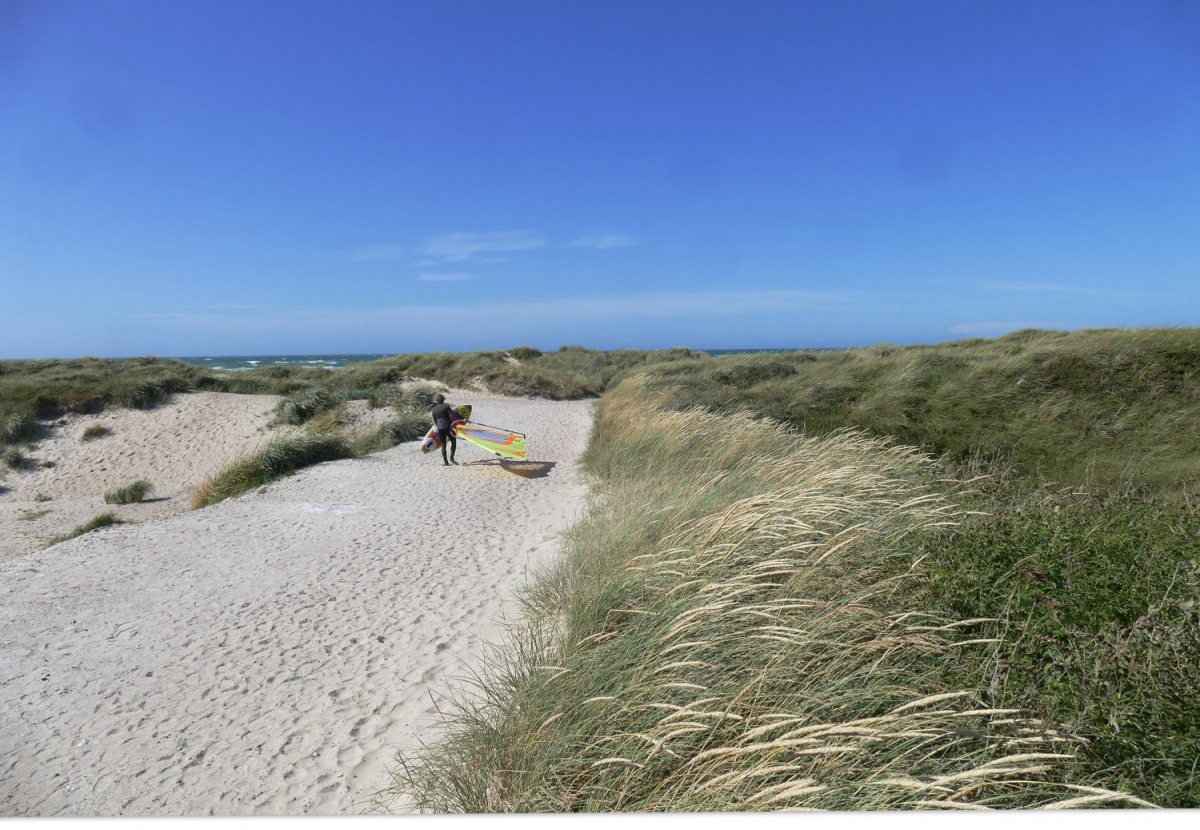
pixel 407 426
pixel 97 522
pixel 323 440
pixel 737 624
pixel 281 456
pixel 129 494
pixel 16 427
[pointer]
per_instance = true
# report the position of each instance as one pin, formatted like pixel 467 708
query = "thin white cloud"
pixel 1044 288
pixel 516 318
pixel 461 246
pixel 377 253
pixel 603 240
pixel 1005 328
pixel 445 277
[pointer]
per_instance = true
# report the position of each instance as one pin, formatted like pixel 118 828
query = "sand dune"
pixel 271 653
pixel 175 447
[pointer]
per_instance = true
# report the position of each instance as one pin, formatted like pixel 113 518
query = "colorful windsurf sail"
pixel 501 442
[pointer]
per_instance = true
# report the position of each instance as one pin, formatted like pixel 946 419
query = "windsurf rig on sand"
pixel 504 443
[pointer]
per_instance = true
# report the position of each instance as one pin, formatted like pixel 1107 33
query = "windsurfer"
pixel 444 417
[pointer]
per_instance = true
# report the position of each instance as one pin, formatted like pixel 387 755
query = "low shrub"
pixel 49 463
pixel 1100 594
pixel 43 497
pixel 14 458
pixel 129 494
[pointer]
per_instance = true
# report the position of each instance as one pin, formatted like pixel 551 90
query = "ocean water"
pixel 337 361
pixel 249 361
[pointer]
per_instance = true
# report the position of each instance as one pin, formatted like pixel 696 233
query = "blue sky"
pixel 297 177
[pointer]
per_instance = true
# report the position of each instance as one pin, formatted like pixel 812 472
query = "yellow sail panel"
pixel 506 444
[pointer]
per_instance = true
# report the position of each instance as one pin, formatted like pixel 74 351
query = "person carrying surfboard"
pixel 444 416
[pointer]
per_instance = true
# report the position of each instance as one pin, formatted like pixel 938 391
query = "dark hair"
pixel 440 398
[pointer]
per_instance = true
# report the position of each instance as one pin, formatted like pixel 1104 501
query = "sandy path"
pixel 270 654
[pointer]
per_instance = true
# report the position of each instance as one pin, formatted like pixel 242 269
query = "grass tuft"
pixel 14 458
pixel 103 520
pixel 417 398
pixel 17 426
pixel 43 497
pixel 129 494
pixel 93 432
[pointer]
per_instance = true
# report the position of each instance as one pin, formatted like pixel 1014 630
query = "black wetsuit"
pixel 443 419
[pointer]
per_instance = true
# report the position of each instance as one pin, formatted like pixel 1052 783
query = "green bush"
pixel 1099 591
pixel 14 459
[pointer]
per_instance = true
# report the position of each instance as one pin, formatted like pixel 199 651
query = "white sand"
pixel 175 447
pixel 269 654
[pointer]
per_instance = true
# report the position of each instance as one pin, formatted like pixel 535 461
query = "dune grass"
pixel 305 404
pixel 284 454
pixel 14 458
pixel 49 388
pixel 103 520
pixel 1081 538
pixel 129 494
pixel 740 622
pixel 1096 406
pixel 407 426
pixel 16 427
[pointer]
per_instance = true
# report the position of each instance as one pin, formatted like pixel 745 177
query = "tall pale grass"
pixel 735 626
